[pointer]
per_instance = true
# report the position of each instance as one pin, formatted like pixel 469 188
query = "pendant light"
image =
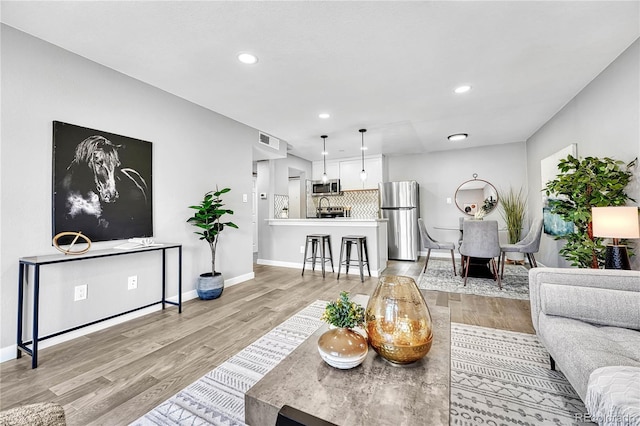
pixel 363 173
pixel 325 178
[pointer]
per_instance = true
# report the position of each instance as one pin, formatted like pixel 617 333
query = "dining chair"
pixel 431 244
pixel 528 245
pixel 480 240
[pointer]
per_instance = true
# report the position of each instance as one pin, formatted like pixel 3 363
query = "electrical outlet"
pixel 80 292
pixel 301 249
pixel 132 282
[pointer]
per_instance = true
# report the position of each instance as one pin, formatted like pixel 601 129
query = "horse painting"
pixel 99 197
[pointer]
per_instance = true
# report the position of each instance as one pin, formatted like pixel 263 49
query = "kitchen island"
pixel 284 240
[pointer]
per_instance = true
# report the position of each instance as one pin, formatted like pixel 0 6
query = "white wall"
pixel 194 150
pixel 264 185
pixel 295 197
pixel 440 173
pixel 273 178
pixel 604 121
pixel 281 172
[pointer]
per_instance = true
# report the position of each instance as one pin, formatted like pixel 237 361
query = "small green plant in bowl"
pixel 343 313
pixel 343 346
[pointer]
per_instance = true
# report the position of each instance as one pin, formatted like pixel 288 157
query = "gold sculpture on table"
pixel 398 320
pixel 69 250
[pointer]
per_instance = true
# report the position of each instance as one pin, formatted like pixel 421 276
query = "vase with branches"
pixel 514 207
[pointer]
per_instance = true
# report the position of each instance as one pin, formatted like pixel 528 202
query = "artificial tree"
pixel 207 220
pixel 581 185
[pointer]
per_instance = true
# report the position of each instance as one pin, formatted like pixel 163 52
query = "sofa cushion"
pixel 619 308
pixel 579 347
pixel 613 396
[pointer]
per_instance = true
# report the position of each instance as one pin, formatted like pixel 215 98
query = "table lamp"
pixel 615 223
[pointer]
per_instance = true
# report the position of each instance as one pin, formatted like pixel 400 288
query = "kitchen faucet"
pixel 320 205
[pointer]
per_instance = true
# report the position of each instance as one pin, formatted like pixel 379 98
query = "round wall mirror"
pixel 475 195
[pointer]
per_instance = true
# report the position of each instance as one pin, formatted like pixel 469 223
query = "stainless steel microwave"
pixel 330 187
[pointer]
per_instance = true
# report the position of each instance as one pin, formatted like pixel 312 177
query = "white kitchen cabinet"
pixel 333 170
pixel 375 172
pixel 350 173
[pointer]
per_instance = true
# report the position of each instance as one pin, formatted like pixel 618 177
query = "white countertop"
pixel 338 221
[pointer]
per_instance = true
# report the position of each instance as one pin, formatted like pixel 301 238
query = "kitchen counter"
pixel 338 221
pixel 284 240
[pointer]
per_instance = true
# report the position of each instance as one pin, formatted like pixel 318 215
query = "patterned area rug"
pixel 439 276
pixel 497 378
pixel 503 378
pixel 218 397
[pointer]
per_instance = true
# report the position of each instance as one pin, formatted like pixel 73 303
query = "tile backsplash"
pixel 364 204
pixel 281 206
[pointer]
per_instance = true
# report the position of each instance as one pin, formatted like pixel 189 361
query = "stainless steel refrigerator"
pixel 400 203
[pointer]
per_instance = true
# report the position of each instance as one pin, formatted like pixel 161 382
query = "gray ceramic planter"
pixel 210 286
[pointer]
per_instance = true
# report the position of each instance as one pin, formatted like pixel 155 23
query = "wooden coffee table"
pixel 374 393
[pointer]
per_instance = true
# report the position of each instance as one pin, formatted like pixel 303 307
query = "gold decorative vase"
pixel 342 348
pixel 398 320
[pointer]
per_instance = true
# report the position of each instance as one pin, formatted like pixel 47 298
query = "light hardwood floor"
pixel 116 375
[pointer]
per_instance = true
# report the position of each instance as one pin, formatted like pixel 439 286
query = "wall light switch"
pixel 448 200
pixel 244 198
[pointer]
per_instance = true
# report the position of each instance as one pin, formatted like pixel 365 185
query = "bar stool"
pixel 363 255
pixel 315 240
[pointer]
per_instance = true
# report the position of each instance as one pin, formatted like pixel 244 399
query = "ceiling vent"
pixel 269 141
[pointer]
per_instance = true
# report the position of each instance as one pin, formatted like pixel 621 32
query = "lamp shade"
pixel 615 222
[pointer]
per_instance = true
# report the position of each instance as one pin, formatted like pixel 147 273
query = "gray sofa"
pixel 587 319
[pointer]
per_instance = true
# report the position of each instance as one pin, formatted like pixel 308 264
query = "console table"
pixel 374 393
pixel 38 261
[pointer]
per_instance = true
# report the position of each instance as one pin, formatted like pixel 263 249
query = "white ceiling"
pixel 387 66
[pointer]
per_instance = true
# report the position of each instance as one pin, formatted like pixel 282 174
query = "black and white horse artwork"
pixel 99 197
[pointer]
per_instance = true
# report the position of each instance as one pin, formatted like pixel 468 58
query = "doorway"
pixel 254 216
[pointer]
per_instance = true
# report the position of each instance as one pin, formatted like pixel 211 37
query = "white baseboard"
pixel 185 296
pixel 279 263
pixel 295 265
pixel 10 352
pixel 240 279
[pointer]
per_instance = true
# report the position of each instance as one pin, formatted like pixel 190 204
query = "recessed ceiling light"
pixel 325 153
pixel 462 89
pixel 247 58
pixel 364 148
pixel 457 137
pixel 324 115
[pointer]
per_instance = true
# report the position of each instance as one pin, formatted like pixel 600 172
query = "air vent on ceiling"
pixel 270 141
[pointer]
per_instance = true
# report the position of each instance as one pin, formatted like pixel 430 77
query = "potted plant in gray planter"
pixel 207 219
